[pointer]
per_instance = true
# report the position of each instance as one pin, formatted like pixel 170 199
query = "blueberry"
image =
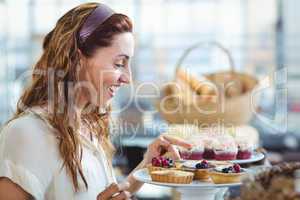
pixel 201 165
pixel 205 165
pixel 225 170
pixel 198 166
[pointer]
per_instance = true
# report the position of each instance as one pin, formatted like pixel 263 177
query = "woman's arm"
pixel 135 185
pixel 11 191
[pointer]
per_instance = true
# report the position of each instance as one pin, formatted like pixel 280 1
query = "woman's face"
pixel 107 70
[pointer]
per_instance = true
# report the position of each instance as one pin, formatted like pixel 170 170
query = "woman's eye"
pixel 119 65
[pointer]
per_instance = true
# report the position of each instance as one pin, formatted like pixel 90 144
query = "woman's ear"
pixel 82 58
pixel 80 66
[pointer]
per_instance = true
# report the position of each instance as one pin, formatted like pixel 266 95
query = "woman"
pixel 57 144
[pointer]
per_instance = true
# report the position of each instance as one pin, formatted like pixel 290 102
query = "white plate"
pixel 256 156
pixel 143 176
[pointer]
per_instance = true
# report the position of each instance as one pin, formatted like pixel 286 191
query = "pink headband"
pixel 97 17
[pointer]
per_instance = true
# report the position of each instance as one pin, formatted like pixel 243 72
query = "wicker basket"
pixel 209 107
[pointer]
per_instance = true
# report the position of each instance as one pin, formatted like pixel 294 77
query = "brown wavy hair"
pixel 60 54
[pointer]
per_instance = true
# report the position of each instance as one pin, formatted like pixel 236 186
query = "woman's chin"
pixel 110 94
pixel 105 103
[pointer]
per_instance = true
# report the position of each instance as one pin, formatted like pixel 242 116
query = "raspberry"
pixel 204 162
pixel 165 163
pixel 153 160
pixel 156 162
pixel 162 162
pixel 237 168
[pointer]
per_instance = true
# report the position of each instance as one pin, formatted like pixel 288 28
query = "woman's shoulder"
pixel 28 129
pixel 29 153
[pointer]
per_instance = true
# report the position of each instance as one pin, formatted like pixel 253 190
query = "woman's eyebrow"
pixel 123 55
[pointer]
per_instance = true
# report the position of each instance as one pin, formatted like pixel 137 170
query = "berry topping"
pixel 225 170
pixel 162 162
pixel 237 168
pixel 156 162
pixel 204 162
pixel 165 163
pixel 232 169
pixel 202 165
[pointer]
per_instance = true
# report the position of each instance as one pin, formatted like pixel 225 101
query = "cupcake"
pixel 209 142
pixel 231 174
pixel 245 148
pixel 225 148
pixel 160 163
pixel 172 176
pixel 195 153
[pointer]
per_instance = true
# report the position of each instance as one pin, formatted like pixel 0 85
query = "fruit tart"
pixel 231 174
pixel 200 169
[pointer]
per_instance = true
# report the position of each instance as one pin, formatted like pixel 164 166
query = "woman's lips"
pixel 112 90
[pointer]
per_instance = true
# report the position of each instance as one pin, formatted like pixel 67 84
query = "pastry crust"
pixel 152 168
pixel 202 174
pixel 172 176
pixel 223 178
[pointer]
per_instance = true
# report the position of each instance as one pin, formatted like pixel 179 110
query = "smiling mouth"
pixel 113 89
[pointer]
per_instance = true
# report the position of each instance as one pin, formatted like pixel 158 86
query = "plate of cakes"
pixel 206 174
pixel 236 148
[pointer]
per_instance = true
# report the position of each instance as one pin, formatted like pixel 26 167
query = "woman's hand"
pixel 165 144
pixel 115 192
pixel 161 145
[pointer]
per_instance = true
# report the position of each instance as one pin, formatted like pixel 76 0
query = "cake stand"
pixel 197 189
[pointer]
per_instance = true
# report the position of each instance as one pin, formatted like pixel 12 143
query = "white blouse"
pixel 29 156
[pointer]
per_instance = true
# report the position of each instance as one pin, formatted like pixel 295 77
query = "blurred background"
pixel 262 36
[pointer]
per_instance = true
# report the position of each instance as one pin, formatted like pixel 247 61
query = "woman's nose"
pixel 125 78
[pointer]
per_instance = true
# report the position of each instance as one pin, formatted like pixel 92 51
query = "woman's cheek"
pixel 113 77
